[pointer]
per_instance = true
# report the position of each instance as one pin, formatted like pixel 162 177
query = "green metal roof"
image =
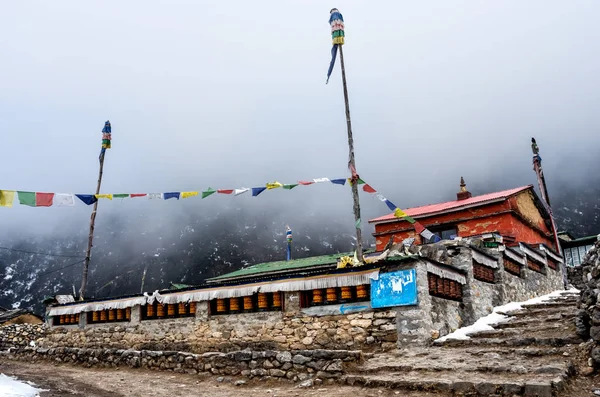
pixel 281 266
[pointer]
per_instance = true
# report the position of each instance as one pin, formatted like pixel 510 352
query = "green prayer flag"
pixel 409 219
pixel 27 198
pixel 290 186
pixel 208 192
pixel 357 223
pixel 120 195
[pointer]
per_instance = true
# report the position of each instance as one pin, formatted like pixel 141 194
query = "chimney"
pixel 464 193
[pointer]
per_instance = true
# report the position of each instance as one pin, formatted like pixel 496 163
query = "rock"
pixel 595 333
pixel 595 355
pixel 335 366
pixel 361 323
pixel 277 373
pixel 220 379
pixel 587 371
pixel 267 364
pixel 239 382
pixel 307 341
pixel 258 372
pixel 284 357
pixel 306 383
pixel 300 359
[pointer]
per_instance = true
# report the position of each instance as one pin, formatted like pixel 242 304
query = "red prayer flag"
pixel 367 188
pixel 137 195
pixel 225 191
pixel 306 182
pixel 43 199
pixel 419 228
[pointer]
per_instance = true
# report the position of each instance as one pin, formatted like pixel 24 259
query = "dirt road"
pixel 67 380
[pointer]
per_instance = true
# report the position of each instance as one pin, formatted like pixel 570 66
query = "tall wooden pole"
pixel 88 253
pixel 352 163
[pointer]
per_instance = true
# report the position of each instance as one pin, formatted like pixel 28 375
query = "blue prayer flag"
pixel 332 63
pixel 87 198
pixel 339 181
pixel 390 205
pixel 257 190
pixel 171 195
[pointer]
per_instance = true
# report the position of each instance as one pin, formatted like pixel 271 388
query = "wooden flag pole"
pixel 352 163
pixel 88 252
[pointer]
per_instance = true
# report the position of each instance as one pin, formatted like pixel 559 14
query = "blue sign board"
pixel 397 288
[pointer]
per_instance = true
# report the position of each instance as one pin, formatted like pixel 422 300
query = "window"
pixel 332 296
pixel 444 288
pixel 158 311
pixel 444 233
pixel 261 302
pixel 483 273
pixel 511 267
pixel 568 257
pixel 109 316
pixel 65 319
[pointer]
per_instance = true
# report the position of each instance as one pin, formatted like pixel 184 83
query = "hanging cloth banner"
pixel 171 195
pixel 155 196
pixel 243 190
pixel 274 185
pixel 367 188
pixel 64 200
pixel 185 195
pixel 339 181
pixel 44 199
pixel 104 196
pixel 225 191
pixel 208 192
pixel 332 62
pixel 88 199
pixel 121 195
pixel 27 198
pixel 359 181
pixel 321 180
pixel 132 195
pixel 290 186
pixel 306 183
pixel 257 190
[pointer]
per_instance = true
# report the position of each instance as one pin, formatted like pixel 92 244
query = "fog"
pixel 233 94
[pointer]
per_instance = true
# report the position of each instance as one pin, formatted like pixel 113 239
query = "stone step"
pixel 548 305
pixel 541 312
pixel 491 366
pixel 554 318
pixel 568 339
pixel 557 329
pixel 461 383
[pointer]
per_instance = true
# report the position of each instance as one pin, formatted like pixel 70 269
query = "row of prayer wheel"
pixel 170 310
pixel 246 303
pixel 331 295
pixel 69 319
pixel 112 315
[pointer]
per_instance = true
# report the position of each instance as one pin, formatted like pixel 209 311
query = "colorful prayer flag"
pixel 242 190
pixel 6 198
pixel 332 62
pixel 44 199
pixel 225 191
pixel 290 186
pixel 104 196
pixel 87 198
pixel 357 224
pixel 274 185
pixel 321 180
pixel 358 182
pixel 257 190
pixel 155 196
pixel 208 192
pixel 336 21
pixel 419 228
pixel 306 183
pixel 185 195
pixel 106 135
pixel 390 205
pixel 398 213
pixel 132 195
pixel 426 234
pixel 341 181
pixel 367 188
pixel 27 198
pixel 171 195
pixel 64 200
pixel 121 195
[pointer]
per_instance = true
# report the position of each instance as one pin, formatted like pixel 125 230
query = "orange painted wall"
pixel 496 217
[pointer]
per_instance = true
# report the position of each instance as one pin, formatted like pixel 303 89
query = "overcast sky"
pixel 230 94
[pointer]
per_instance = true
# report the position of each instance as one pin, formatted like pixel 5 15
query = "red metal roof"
pixel 455 205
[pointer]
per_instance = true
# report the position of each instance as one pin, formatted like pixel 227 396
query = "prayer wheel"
pixel 171 309
pixel 234 304
pixel 77 319
pixel 128 313
pixel 248 306
pixel 331 295
pixel 361 291
pixel 61 319
pixel 346 293
pixel 160 310
pixel 181 308
pixel 317 297
pixel 73 319
pixel 192 307
pixel 150 310
pixel 95 317
pixel 263 303
pixel 120 314
pixel 276 300
pixel 221 306
pixel 103 315
pixel 112 315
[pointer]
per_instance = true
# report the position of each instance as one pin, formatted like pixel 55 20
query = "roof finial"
pixel 463 194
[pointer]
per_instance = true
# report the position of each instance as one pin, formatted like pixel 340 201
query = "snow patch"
pixel 10 387
pixel 497 317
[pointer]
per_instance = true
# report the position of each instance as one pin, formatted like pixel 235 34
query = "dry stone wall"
pixel 17 335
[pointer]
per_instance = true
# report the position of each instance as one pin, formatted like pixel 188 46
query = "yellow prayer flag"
pixel 274 185
pixel 398 213
pixel 188 194
pixel 104 196
pixel 6 198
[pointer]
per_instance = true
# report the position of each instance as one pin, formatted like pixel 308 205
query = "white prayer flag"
pixel 426 234
pixel 155 196
pixel 243 190
pixel 321 180
pixel 64 199
pixel 380 197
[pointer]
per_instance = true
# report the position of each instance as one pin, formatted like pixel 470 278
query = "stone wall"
pixel 529 285
pixel 17 335
pixel 293 365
